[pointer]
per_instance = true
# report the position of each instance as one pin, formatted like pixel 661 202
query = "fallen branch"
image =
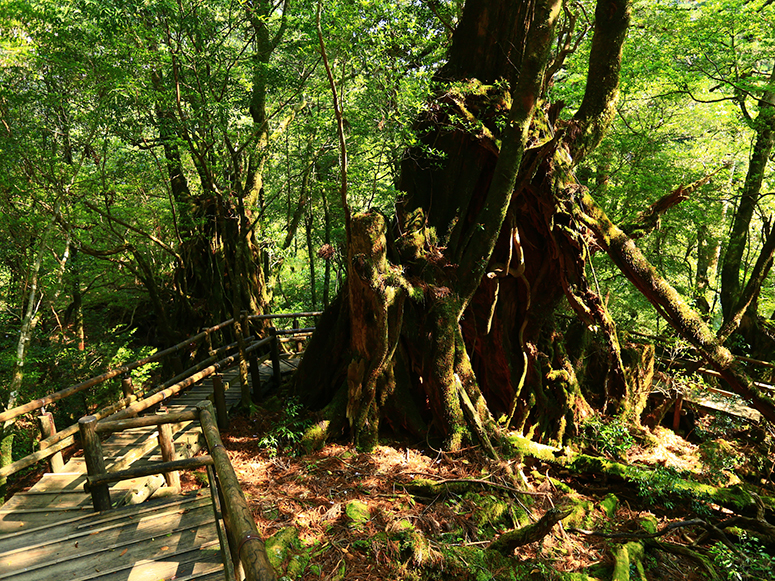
pixel 644 535
pixel 434 487
pixel 507 542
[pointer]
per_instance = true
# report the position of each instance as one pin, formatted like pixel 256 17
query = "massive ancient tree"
pixel 455 310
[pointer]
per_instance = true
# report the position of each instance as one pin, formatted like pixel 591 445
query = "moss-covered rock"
pixel 280 545
pixel 609 505
pixel 357 511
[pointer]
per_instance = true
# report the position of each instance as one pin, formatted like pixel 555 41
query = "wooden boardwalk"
pixel 51 532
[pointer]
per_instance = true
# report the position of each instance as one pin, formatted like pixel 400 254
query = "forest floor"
pixel 338 514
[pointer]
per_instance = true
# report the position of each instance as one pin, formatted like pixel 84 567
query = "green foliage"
pixel 664 486
pixel 757 564
pixel 287 431
pixel 610 436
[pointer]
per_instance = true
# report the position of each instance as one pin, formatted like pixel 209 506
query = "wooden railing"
pixel 53 441
pixel 243 549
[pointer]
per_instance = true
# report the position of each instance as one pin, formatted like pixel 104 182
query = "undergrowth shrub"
pixel 610 437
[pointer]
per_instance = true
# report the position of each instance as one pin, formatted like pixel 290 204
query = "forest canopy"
pixel 168 164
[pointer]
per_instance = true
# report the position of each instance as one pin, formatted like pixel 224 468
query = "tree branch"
pixel 612 18
pixel 629 259
pixel 649 218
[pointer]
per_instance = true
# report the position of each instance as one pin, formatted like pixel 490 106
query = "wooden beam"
pixel 144 421
pixel 247 545
pixel 148 470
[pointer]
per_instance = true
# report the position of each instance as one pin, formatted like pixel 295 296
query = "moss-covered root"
pixel 507 542
pixel 713 574
pixel 736 498
pixel 625 558
pixel 331 424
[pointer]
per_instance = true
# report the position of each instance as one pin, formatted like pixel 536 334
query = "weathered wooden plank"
pixel 63 544
pixel 194 564
pixel 165 553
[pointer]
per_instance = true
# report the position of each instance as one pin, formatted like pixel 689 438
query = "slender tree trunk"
pixel 308 223
pixel 738 237
pixel 29 322
pixel 328 250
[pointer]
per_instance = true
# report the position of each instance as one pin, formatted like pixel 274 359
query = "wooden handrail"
pixel 133 404
pixel 124 408
pixel 145 421
pixel 246 544
pixel 59 395
pixel 283 316
pixel 149 470
pixel 245 548
pixel 304 331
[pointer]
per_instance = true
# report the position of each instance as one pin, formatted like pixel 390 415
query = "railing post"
pixel 219 397
pixel 167 446
pixel 299 342
pixel 245 323
pixel 274 345
pixel 255 376
pixel 126 385
pixel 95 463
pixel 48 429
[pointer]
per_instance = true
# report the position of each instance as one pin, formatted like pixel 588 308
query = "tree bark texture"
pixel 461 330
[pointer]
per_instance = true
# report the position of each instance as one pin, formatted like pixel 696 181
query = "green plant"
pixel 610 437
pixel 665 486
pixel 757 563
pixel 287 432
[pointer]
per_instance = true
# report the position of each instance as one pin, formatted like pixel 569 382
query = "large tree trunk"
pixel 451 317
pixel 434 340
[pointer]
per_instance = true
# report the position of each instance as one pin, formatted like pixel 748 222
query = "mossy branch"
pixel 685 320
pixel 507 542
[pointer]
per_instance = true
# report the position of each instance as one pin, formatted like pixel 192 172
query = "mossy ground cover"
pixel 338 514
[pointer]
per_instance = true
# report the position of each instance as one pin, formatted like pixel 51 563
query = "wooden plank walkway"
pixel 51 532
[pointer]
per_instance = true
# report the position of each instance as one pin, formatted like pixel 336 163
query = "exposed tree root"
pixel 690 553
pixel 626 557
pixel 507 542
pixel 735 498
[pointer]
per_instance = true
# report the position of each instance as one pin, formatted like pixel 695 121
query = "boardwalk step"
pixel 51 533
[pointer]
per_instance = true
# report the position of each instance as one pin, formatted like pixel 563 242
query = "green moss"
pixel 581 516
pixel 315 436
pixel 527 447
pixel 649 523
pixel 625 558
pixel 490 509
pixel 297 564
pixel 280 545
pixel 609 505
pixel 357 511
